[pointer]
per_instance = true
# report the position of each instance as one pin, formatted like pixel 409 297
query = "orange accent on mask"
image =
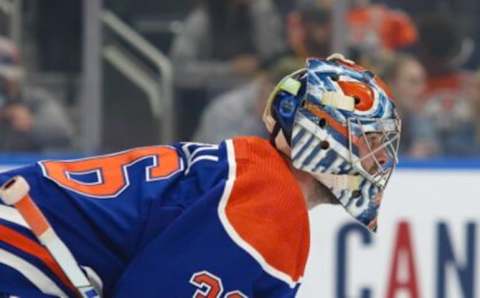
pixel 362 93
pixel 329 119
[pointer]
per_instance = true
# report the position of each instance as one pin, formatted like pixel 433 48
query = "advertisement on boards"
pixel 427 243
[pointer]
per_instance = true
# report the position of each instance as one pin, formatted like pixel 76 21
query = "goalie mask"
pixel 336 121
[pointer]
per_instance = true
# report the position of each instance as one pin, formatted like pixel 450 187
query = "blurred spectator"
pixel 309 30
pixel 440 52
pixel 448 103
pixel 453 119
pixel 30 120
pixel 407 78
pixel 59 46
pixel 224 39
pixel 377 32
pixel 475 95
pixel 374 26
pixel 239 112
pixel 309 34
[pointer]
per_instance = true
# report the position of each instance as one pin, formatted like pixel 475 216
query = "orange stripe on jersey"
pixel 17 240
pixel 266 207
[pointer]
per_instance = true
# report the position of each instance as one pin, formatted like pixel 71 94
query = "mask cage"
pixel 373 146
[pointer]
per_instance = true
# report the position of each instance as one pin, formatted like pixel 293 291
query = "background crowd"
pixel 227 56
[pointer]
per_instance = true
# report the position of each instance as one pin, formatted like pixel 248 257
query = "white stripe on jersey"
pixel 12 215
pixel 32 273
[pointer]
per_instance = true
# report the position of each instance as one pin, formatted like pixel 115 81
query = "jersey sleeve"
pixel 247 237
pixel 98 207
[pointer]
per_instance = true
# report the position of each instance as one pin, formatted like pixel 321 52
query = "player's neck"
pixel 314 193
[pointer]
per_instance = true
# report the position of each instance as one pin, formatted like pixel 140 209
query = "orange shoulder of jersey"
pixel 263 209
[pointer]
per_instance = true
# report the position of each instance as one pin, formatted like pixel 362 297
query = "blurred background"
pixel 94 76
pixel 80 77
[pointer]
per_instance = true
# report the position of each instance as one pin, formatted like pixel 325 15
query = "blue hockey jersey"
pixel 188 220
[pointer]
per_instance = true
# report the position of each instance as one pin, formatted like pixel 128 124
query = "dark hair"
pixel 314 13
pixel 439 36
pixel 230 27
pixel 279 68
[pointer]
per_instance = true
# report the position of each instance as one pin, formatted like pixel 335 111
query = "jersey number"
pixel 111 170
pixel 210 286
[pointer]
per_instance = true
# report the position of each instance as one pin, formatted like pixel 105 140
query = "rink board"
pixel 426 245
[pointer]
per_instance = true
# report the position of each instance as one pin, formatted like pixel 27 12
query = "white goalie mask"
pixel 336 121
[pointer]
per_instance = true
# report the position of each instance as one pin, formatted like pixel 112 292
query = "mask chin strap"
pixel 278 139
